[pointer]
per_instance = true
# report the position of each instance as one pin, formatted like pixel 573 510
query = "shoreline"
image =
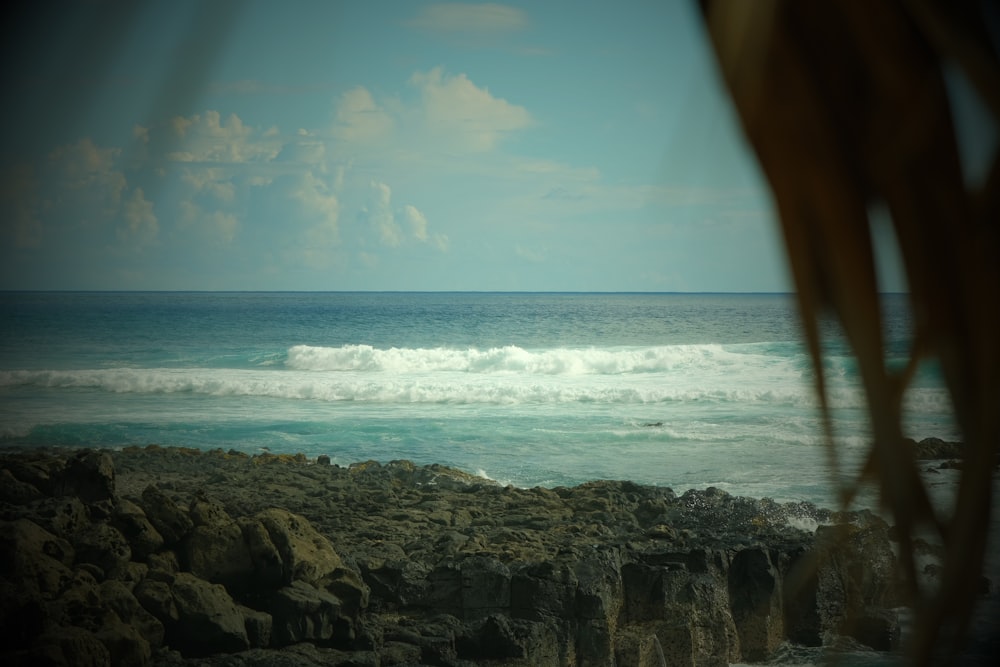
pixel 427 564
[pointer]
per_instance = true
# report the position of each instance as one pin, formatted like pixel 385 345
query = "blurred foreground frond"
pixel 847 109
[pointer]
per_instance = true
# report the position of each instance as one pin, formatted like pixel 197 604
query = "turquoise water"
pixel 679 390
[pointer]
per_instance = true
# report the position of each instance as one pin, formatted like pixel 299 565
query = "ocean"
pixel 552 389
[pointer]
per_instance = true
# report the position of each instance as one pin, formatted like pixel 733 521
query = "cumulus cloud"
pixel 83 179
pixel 463 115
pixel 75 198
pixel 211 181
pixel 140 223
pixel 384 220
pixel 380 216
pixel 450 114
pixel 306 148
pixel 462 17
pixel 320 204
pixel 209 138
pixel 418 228
pixel 217 226
pixel 418 222
pixel 359 118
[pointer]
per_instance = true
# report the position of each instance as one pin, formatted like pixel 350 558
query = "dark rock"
pixel 849 572
pixel 34 557
pixel 207 619
pixel 163 565
pixel 456 570
pixel 13 490
pixel 170 521
pixel 118 598
pixel 65 646
pixel 268 566
pixel 63 516
pixel 309 557
pixel 302 612
pixel 102 545
pixel 124 642
pixel 485 588
pixel 142 537
pixel 936 448
pixel 36 471
pixel 218 553
pixel 323 460
pixel 755 598
pixel 259 626
pixel 89 476
pixel 205 512
pixel 156 598
pixel 305 554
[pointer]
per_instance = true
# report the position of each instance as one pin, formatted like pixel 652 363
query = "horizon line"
pixel 398 291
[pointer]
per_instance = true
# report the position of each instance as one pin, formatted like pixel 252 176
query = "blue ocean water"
pixel 679 390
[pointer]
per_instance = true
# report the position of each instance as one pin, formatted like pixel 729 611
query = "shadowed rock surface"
pixel 170 556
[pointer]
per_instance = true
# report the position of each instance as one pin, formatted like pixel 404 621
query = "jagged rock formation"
pixel 158 556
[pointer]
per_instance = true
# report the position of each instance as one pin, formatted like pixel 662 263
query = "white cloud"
pixel 84 179
pixel 306 148
pixel 418 227
pixel 217 225
pixel 225 224
pixel 381 217
pixel 384 220
pixel 141 226
pixel 207 138
pixel 211 181
pixel 359 118
pixel 418 222
pixel 461 17
pixel 320 203
pixel 461 115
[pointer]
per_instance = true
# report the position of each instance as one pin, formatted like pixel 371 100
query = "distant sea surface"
pixel 679 390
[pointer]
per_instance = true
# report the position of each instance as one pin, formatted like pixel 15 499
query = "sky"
pixel 375 145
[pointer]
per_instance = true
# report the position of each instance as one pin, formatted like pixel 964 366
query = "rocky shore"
pixel 172 556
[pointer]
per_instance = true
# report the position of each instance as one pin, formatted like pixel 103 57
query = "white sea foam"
pixel 805 523
pixel 415 387
pixel 513 359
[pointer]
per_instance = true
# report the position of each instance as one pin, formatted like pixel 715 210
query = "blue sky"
pixel 375 146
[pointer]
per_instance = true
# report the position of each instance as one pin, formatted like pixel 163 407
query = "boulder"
pixel 103 546
pixel 14 491
pixel 259 626
pixel 64 516
pixel 34 557
pixel 155 597
pixel 302 612
pixel 208 620
pixel 169 520
pixel 206 512
pixel 142 537
pixel 89 476
pixel 117 597
pixel 756 598
pixel 218 553
pixel 64 646
pixel 305 554
pixel 126 645
pixel 268 566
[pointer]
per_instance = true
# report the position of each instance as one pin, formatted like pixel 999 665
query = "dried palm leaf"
pixel 846 107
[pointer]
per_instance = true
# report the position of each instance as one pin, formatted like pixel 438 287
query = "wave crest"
pixel 512 359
